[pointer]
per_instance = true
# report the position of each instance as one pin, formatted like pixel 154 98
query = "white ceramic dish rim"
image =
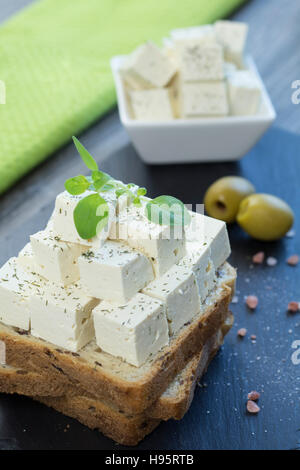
pixel 269 111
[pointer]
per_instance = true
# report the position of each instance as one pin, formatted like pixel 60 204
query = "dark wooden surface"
pixel 217 418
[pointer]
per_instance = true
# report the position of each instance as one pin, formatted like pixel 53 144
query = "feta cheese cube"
pixel 204 33
pixel 200 61
pixel 198 261
pixel 147 67
pixel 62 315
pixel 213 232
pixel 115 272
pixel 244 93
pixel 56 260
pixel 216 235
pixel 177 289
pixel 134 331
pixel 164 245
pixel 229 69
pixel 204 98
pixel 232 35
pixel 63 222
pixel 151 105
pixel 26 259
pixel 16 287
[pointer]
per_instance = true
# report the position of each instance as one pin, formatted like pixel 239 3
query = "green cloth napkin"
pixel 54 60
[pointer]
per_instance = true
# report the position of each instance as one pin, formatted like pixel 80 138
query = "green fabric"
pixel 54 60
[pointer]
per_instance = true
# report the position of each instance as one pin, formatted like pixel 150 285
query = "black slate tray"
pixel 217 418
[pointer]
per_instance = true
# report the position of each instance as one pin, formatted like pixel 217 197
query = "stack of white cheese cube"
pixel 130 288
pixel 200 72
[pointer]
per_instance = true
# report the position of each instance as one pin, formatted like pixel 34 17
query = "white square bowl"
pixel 194 140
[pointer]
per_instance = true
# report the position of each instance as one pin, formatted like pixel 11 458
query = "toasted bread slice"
pixel 126 387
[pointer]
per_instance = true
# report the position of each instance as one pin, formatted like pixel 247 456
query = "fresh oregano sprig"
pixel 92 212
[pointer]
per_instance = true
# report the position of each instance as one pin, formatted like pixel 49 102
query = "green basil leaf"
pixel 100 179
pixel 167 210
pixel 141 192
pixel 77 185
pixel 90 216
pixel 137 202
pixel 87 158
pixel 121 191
pixel 107 187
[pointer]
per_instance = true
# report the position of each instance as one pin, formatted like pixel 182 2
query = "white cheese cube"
pixel 62 315
pixel 177 289
pixel 147 67
pixel 232 35
pixel 162 244
pixel 63 222
pixel 56 260
pixel 16 287
pixel 198 260
pixel 26 259
pixel 204 99
pixel 151 105
pixel 204 33
pixel 200 61
pixel 115 272
pixel 134 331
pixel 213 232
pixel 229 69
pixel 244 93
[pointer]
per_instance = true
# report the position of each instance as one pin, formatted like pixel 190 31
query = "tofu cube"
pixel 135 331
pixel 151 105
pixel 216 235
pixel 147 67
pixel 232 35
pixel 62 315
pixel 16 287
pixel 204 33
pixel 115 272
pixel 56 260
pixel 177 289
pixel 213 233
pixel 198 260
pixel 160 243
pixel 63 222
pixel 204 99
pixel 244 93
pixel 200 61
pixel 26 259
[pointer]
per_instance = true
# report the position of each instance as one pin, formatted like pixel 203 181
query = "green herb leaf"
pixel 90 216
pixel 87 158
pixel 141 192
pixel 137 202
pixel 77 185
pixel 100 179
pixel 167 210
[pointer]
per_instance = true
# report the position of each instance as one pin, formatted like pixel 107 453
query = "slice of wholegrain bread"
pixel 129 429
pixel 173 403
pixel 126 387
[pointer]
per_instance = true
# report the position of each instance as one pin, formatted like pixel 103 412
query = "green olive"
pixel 223 197
pixel 265 217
